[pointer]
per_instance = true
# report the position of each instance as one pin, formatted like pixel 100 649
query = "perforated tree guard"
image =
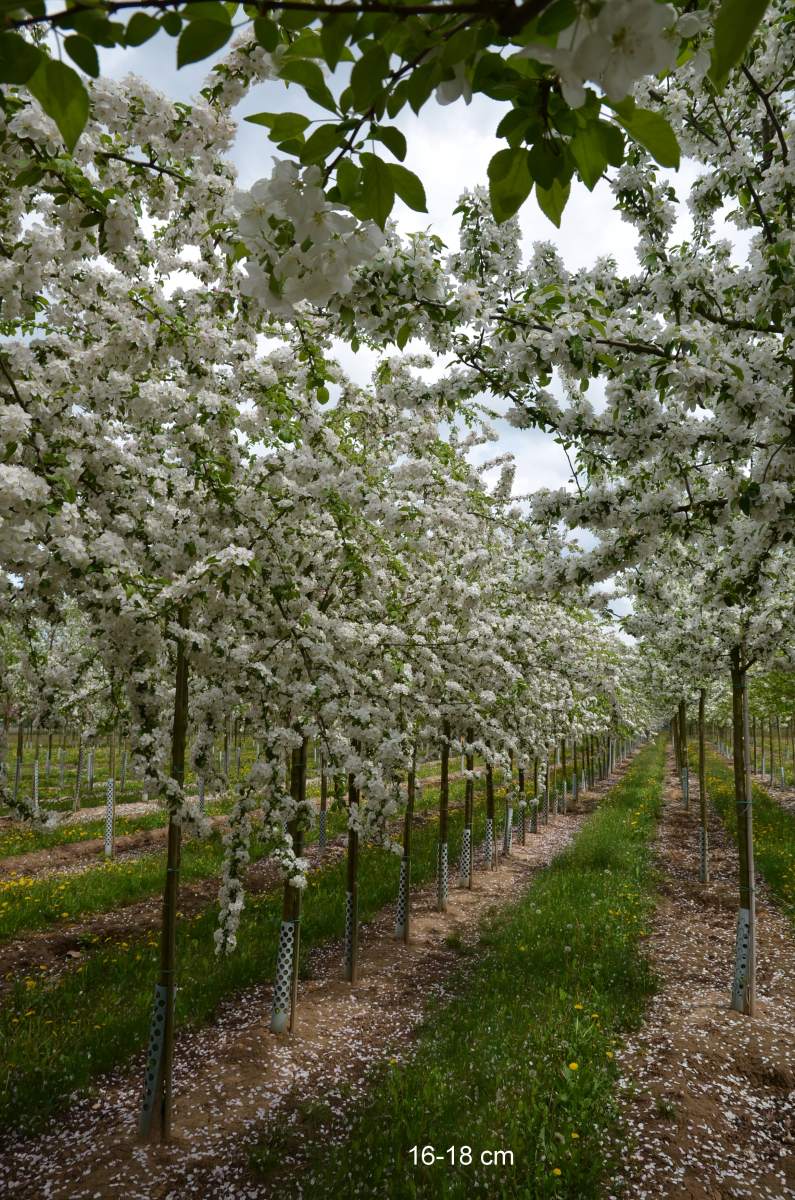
pixel 109 815
pixel 534 815
pixel 401 909
pixel 442 876
pixel 742 957
pixel 282 988
pixel 466 854
pixel 321 829
pixel 488 842
pixel 154 1057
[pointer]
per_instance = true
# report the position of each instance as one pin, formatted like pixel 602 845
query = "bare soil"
pixel 709 1094
pixel 232 1075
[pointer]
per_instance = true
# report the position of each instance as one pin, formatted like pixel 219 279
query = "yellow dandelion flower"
pixel 573 1066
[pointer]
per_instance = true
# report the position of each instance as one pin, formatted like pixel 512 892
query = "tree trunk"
pixel 352 892
pixel 442 864
pixel 79 779
pixel 575 779
pixel 157 1104
pixel 702 790
pixel 323 816
pixel 563 771
pixel 285 989
pixel 110 800
pixel 403 912
pixel 490 849
pixel 467 857
pixel 744 989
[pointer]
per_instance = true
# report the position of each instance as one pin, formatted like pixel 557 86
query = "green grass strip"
pixel 774 830
pixel 522 1058
pixel 58 1037
pixel 28 903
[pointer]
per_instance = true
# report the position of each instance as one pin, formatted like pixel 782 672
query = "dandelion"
pixel 556 1171
pixel 573 1066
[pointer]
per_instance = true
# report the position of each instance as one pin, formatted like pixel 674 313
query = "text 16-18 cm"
pixel 464 1156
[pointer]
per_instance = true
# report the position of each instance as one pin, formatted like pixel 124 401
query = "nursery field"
pixel 397 600
pixel 528 1040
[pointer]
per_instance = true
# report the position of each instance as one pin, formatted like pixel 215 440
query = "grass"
pixel 58 1036
pixel 522 1058
pixel 774 830
pixel 23 839
pixel 28 903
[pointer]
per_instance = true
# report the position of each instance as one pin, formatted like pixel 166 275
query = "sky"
pixel 449 148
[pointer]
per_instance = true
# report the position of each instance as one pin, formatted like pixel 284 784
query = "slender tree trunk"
pixel 352 892
pixel 702 790
pixel 685 777
pixel 467 856
pixel 744 989
pixel 18 763
pixel 323 816
pixel 490 854
pixel 110 800
pixel 442 863
pixel 157 1106
pixel 565 796
pixel 522 805
pixel 754 737
pixel 403 913
pixel 79 779
pixel 575 779
pixel 285 991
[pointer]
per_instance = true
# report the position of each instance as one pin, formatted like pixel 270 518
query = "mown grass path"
pixel 522 1059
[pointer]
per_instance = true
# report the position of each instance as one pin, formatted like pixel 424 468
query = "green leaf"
pixel 60 92
pixel 611 139
pixel 321 143
pixel 378 195
pixel 651 130
pixel 84 53
pixel 409 187
pixel 367 77
pixel 18 58
pixel 552 200
pixel 349 178
pixel 172 23
pixel 392 138
pixel 266 32
pixel 334 34
pixel 734 28
pixel 589 156
pixel 557 17
pixel 546 163
pixel 510 182
pixel 200 39
pixel 282 125
pixel 140 28
pixel 207 10
pixel 310 77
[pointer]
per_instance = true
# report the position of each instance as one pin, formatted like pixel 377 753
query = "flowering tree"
pixel 562 69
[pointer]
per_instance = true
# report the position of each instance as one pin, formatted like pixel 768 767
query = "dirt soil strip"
pixel 231 1075
pixel 709 1095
